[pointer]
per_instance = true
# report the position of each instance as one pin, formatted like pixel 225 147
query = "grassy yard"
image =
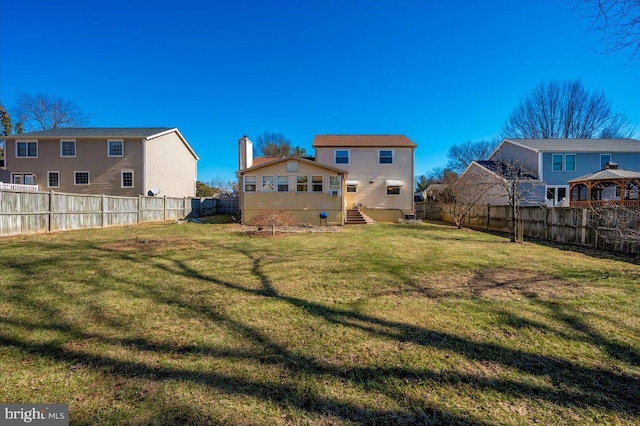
pixel 205 324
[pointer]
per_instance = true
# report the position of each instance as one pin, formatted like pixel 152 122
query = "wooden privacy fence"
pixel 32 212
pixel 607 229
pixel 212 206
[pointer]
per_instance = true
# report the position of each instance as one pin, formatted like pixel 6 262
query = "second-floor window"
pixel 26 149
pixel 557 162
pixel 67 148
pixel 341 156
pixel 81 178
pixel 385 157
pixel 115 148
pixel 570 162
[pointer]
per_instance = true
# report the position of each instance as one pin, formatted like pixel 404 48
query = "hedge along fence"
pixel 607 229
pixel 33 212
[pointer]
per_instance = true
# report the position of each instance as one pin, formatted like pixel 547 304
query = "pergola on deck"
pixel 610 186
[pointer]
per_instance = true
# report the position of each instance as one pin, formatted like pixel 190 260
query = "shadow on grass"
pixel 574 385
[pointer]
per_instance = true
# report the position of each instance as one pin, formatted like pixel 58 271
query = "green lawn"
pixel 206 324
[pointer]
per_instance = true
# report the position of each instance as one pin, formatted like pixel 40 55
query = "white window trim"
pixel 335 187
pixel 575 163
pixel 109 150
pixel 288 184
pixel 311 184
pixel 48 179
pixel 393 154
pixel 561 162
pixel 27 142
pixel 262 184
pixel 308 183
pixel 244 183
pixel 348 157
pixel 75 180
pixel 122 179
pixel 75 147
pixel 556 187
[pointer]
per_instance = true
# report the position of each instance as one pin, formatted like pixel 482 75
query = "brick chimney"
pixel 611 166
pixel 245 153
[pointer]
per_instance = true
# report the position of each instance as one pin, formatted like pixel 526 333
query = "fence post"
pixel 583 235
pixel 488 216
pixel 103 218
pixel 50 210
pixel 164 208
pixel 139 215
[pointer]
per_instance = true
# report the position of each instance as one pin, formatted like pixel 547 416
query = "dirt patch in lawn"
pixel 149 246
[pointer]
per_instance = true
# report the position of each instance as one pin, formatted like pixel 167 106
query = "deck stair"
pixel 356 217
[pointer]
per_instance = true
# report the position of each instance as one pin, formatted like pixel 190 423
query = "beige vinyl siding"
pixel 170 167
pixel 371 191
pixel 91 155
pixel 305 206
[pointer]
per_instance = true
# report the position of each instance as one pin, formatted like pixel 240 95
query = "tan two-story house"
pixel 380 172
pixel 371 174
pixel 111 161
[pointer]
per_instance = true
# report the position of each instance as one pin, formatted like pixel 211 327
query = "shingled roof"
pixel 95 132
pixel 577 145
pixel 362 141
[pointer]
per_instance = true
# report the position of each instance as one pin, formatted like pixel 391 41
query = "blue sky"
pixel 439 72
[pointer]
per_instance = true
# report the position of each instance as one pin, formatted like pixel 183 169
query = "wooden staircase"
pixel 356 217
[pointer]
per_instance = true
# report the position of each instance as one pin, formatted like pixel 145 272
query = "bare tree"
pixel 616 224
pixel 519 186
pixel 220 184
pixel 566 110
pixel 618 22
pixel 272 218
pixel 44 111
pixel 461 155
pixel 271 144
pixel 465 193
pixel 435 175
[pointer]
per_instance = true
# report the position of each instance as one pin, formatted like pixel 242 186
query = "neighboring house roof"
pixel 280 160
pixel 357 141
pixel 436 188
pixel 503 170
pixel 95 132
pixel 147 133
pixel 608 174
pixel 576 145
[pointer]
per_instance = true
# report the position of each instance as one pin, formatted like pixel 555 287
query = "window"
pixel 53 179
pixel 385 157
pixel 250 183
pixel 115 148
pixel 283 183
pixel 316 184
pixel 26 149
pixel 557 162
pixel 302 183
pixel 604 159
pixel 341 157
pixel 127 179
pixel 393 190
pixel 268 184
pixel 352 185
pixel 556 194
pixel 81 178
pixel 334 185
pixel 22 179
pixel 292 166
pixel 570 162
pixel 67 148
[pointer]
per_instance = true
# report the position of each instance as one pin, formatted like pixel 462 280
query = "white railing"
pixel 18 187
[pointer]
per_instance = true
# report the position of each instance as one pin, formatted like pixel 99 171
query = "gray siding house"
pixel 554 162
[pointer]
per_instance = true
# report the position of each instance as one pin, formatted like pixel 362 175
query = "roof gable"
pixel 283 159
pixel 362 141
